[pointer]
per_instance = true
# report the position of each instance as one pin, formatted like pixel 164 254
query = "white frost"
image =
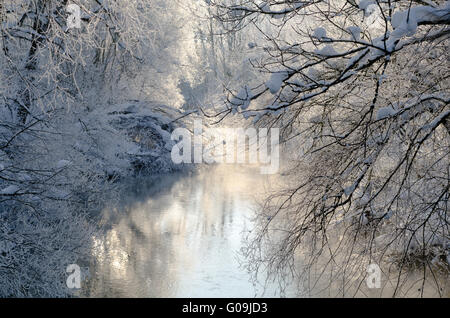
pixel 349 190
pixel 385 112
pixel 405 22
pixel 12 189
pixel 320 33
pixel 363 4
pixel 62 164
pixel 355 32
pixel 275 81
pixel 327 51
pixel 243 98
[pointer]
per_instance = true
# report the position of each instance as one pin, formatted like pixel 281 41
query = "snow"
pixel 149 126
pixel 364 200
pixel 276 14
pixel 62 164
pixel 12 189
pixel 243 98
pixel 316 119
pixel 405 22
pixel 402 25
pixel 369 7
pixel 320 33
pixel 382 78
pixel 349 190
pixel 24 177
pixel 60 194
pixel 388 214
pixel 313 73
pixel 355 32
pixel 385 112
pixel 363 4
pixel 104 142
pixel 437 120
pixel 275 81
pixel 328 50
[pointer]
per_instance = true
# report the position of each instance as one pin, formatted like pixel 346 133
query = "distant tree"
pixel 218 58
pixel 361 93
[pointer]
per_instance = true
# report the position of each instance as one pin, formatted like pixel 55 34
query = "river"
pixel 180 235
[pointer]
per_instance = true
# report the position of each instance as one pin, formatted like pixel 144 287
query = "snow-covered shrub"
pixel 148 127
pixel 53 179
pixel 59 151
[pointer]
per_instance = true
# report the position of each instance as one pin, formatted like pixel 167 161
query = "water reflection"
pixel 178 236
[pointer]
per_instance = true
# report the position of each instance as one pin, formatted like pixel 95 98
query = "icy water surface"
pixel 179 236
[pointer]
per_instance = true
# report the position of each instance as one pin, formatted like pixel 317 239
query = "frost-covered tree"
pixel 361 93
pixel 58 148
pixel 217 58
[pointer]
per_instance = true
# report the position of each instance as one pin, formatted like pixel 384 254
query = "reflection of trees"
pixel 162 236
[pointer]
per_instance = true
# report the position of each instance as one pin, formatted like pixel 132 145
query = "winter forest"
pixel 120 175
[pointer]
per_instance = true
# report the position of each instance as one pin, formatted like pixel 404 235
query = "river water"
pixel 180 235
